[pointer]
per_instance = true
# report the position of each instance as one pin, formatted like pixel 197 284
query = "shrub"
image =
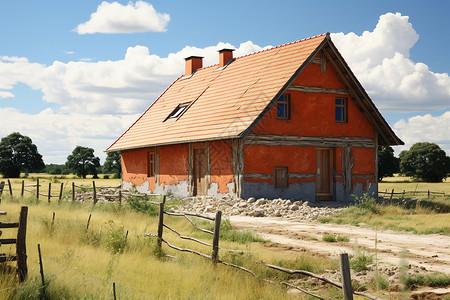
pixel 334 238
pixel 434 280
pixel 360 260
pixel 139 204
pixel 367 203
pixel 116 238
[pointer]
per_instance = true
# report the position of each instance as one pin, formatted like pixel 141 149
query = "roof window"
pixel 178 111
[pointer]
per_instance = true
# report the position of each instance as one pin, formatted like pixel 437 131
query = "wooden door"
pixel 199 172
pixel 324 174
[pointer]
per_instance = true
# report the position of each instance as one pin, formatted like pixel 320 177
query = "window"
pixel 281 177
pixel 178 111
pixel 151 164
pixel 341 110
pixel 283 107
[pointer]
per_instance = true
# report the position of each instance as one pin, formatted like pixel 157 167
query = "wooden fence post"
pixel 114 290
pixel 95 193
pixel 89 220
pixel 215 248
pixel 37 189
pixel 347 288
pixel 428 194
pixel 73 191
pixel 60 192
pixel 21 249
pixel 53 219
pixel 41 267
pixel 10 187
pixel 164 199
pixel 120 197
pixel 23 188
pixel 160 224
pixel 392 195
pixel 49 191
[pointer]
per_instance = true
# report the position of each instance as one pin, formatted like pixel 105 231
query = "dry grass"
pixel 56 180
pixel 79 264
pixel 406 183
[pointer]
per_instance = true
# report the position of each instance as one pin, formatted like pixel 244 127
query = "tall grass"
pixel 83 264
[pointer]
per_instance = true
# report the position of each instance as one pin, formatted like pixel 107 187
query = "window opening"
pixel 151 164
pixel 283 107
pixel 178 111
pixel 341 110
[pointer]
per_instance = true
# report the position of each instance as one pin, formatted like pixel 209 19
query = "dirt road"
pixel 429 251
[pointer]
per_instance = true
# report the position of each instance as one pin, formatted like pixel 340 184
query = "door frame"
pixel 206 164
pixel 325 196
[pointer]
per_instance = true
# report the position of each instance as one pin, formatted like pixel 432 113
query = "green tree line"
pixel 18 154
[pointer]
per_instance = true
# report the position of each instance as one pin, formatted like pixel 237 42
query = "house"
pixel 291 122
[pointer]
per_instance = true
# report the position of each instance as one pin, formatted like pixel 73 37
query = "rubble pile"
pixel 257 207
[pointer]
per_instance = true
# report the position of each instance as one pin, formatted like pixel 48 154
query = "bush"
pixel 367 203
pixel 360 260
pixel 139 204
pixel 116 238
pixel 433 280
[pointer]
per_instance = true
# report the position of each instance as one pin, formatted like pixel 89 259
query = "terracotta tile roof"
pixel 224 103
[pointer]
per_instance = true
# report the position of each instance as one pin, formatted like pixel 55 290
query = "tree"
pixel 83 162
pixel 18 153
pixel 388 164
pixel 425 161
pixel 113 163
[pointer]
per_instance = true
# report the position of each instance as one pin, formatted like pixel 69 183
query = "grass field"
pixel 83 264
pixel 428 216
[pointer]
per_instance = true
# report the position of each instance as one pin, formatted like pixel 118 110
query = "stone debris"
pixel 257 207
pixel 104 194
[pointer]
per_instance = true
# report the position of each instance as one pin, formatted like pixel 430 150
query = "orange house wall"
pixel 263 159
pixel 221 167
pixel 173 165
pixel 312 114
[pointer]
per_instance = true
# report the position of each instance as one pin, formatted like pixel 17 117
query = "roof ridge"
pixel 279 46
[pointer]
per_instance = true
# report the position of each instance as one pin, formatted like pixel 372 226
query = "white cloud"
pixel 426 128
pixel 57 134
pixel 380 60
pixel 117 18
pixel 69 52
pixel 6 95
pixel 124 86
pixel 98 100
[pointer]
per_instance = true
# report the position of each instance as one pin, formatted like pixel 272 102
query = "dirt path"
pixel 430 251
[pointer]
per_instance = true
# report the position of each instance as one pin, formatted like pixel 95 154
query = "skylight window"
pixel 178 111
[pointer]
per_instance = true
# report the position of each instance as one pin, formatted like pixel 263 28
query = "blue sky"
pixel 80 72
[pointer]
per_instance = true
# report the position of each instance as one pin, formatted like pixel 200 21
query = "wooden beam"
pixel 307 141
pixel 316 89
pixel 271 176
pixel 317 60
pixel 363 176
pixel 322 61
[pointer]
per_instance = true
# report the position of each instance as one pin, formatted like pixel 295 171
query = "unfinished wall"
pixel 311 115
pixel 173 169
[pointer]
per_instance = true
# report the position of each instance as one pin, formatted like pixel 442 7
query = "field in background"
pixel 400 183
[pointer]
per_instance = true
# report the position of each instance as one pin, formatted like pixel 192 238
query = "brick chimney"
pixel 224 56
pixel 192 63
